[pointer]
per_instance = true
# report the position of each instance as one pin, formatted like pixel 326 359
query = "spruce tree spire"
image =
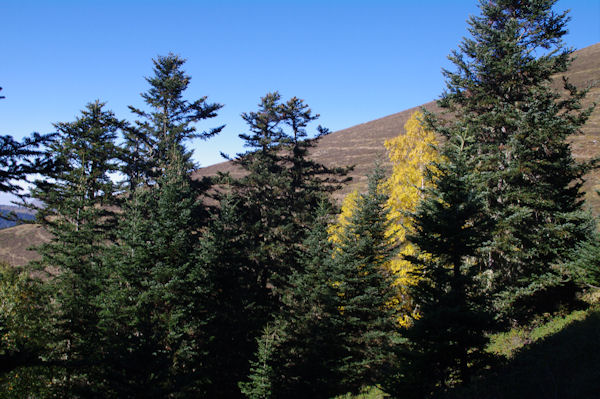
pixel 500 94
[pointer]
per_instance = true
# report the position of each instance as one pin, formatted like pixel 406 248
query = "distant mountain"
pixel 362 144
pixel 8 212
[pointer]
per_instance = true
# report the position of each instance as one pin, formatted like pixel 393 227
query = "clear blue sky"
pixel 351 61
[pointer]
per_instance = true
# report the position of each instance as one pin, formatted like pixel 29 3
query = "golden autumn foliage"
pixel 410 153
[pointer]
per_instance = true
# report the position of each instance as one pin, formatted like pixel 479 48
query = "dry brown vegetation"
pixel 362 144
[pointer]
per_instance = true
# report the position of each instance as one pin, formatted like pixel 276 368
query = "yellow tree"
pixel 410 153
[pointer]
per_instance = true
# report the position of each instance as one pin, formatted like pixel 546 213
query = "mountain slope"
pixel 362 144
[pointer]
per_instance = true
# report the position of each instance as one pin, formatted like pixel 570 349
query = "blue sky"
pixel 351 61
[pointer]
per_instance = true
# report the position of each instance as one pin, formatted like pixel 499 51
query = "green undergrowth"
pixel 367 393
pixel 559 358
pixel 506 344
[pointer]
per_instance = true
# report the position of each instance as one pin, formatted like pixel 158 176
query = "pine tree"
pixel 275 205
pixel 78 200
pixel 365 288
pixel 153 314
pixel 501 95
pixel 447 341
pixel 300 353
pixel 168 124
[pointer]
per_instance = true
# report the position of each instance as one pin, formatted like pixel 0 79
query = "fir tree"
pixel 275 205
pixel 169 122
pixel 447 341
pixel 365 287
pixel 501 95
pixel 153 314
pixel 283 187
pixel 236 297
pixel 77 210
pixel 300 353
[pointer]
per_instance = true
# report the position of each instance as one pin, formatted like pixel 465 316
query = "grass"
pixel 559 358
pixel 367 393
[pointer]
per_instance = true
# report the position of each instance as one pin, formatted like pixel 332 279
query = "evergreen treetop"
pixel 501 97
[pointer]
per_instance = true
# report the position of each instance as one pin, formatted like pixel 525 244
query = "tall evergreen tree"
pixel 300 353
pixel 283 186
pixel 365 286
pixel 77 209
pixel 153 314
pixel 170 121
pixel 338 330
pixel 500 94
pixel 275 203
pixel 447 341
pixel 237 298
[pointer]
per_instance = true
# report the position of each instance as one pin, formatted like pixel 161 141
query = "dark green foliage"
pixel 238 297
pixel 262 376
pixel 300 353
pixel 283 188
pixel 77 199
pixel 446 343
pixel 366 291
pixel 501 96
pixel 24 335
pixel 255 242
pixel 168 124
pixel 585 261
pixel 153 314
pixel 337 329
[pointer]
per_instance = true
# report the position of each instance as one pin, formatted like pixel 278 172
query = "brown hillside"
pixel 16 241
pixel 362 144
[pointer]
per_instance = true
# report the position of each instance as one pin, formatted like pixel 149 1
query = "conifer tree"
pixel 168 124
pixel 500 94
pixel 283 187
pixel 447 341
pixel 336 332
pixel 77 209
pixel 275 204
pixel 236 297
pixel 153 315
pixel 300 353
pixel 365 287
pixel 409 154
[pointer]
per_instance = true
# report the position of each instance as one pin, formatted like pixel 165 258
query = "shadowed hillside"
pixel 563 365
pixel 362 144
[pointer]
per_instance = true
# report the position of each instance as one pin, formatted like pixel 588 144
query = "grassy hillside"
pixel 16 241
pixel 361 145
pixel 562 365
